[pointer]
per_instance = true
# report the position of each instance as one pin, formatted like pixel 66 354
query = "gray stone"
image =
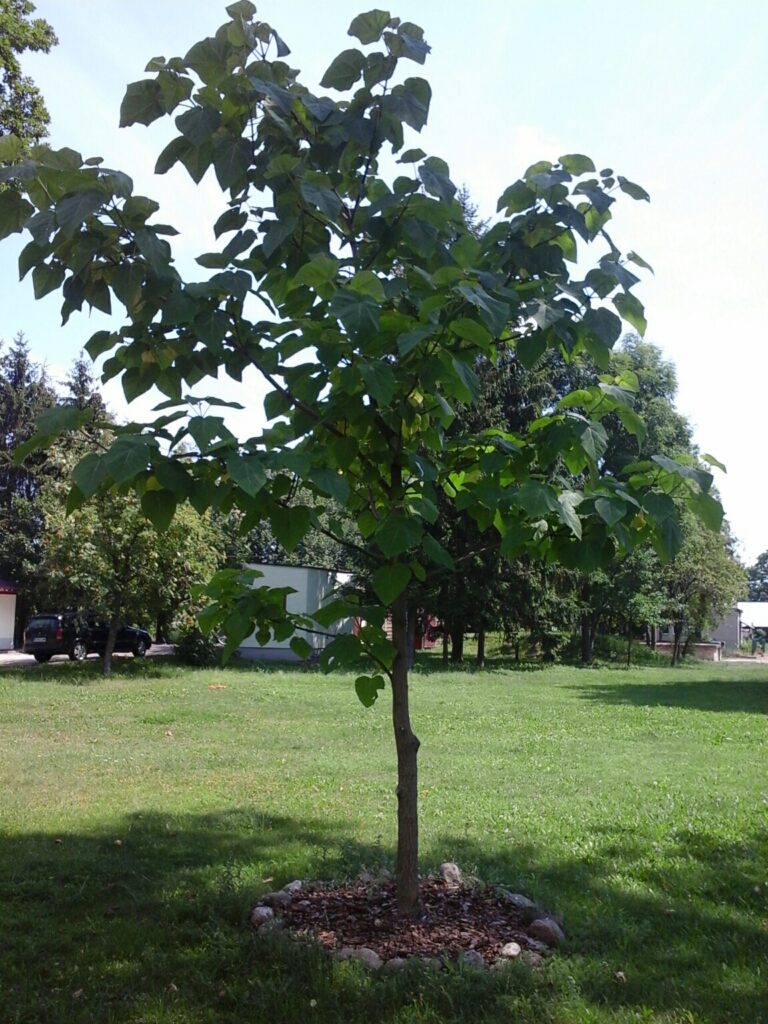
pixel 431 963
pixel 260 915
pixel 278 900
pixel 511 950
pixel 546 929
pixel 293 887
pixel 367 957
pixel 535 960
pixel 345 952
pixel 471 958
pixel 397 963
pixel 451 874
pixel 518 901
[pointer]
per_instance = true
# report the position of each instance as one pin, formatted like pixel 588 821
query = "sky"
pixel 673 96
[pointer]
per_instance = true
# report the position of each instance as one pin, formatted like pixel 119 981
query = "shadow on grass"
pixel 750 695
pixel 147 921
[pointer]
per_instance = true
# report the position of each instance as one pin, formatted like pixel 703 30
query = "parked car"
pixel 130 639
pixel 77 635
pixel 50 633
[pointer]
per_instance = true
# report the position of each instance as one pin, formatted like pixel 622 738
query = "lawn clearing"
pixel 142 816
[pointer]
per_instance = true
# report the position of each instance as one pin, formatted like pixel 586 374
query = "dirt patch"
pixel 453 922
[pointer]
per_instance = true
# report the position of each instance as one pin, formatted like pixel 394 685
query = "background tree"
pixel 25 390
pixel 757 578
pixel 107 558
pixel 22 109
pixel 703 583
pixel 381 303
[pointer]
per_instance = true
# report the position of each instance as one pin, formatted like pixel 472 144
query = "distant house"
pixel 8 592
pixel 754 615
pixel 739 624
pixel 313 588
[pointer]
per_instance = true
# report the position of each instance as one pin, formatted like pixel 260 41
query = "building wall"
pixel 728 631
pixel 313 588
pixel 7 619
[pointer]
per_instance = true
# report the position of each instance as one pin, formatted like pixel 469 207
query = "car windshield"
pixel 43 621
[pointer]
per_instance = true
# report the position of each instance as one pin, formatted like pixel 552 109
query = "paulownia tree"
pixel 365 302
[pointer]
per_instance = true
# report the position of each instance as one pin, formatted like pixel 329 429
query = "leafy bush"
pixel 197 648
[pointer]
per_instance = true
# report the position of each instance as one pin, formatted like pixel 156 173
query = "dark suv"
pixel 78 635
pixel 52 633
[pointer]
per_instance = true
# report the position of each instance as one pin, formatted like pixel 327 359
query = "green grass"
pixel 142 816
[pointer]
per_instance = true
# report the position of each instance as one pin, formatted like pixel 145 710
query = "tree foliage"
pixel 22 109
pixel 367 305
pixel 757 577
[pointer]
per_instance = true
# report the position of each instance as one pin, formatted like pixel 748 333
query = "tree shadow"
pixel 749 695
pixel 147 920
pixel 685 933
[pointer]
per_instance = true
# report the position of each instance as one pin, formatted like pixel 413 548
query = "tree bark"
pixel 407 744
pixel 457 641
pixel 480 658
pixel 587 640
pixel 676 644
pixel 410 632
pixel 109 647
pixel 445 644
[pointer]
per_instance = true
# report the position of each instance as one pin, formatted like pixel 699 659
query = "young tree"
pixel 22 109
pixel 379 303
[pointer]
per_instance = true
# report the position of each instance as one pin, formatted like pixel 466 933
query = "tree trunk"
pixel 629 646
pixel 445 644
pixel 480 659
pixel 587 640
pixel 457 641
pixel 410 633
pixel 676 643
pixel 407 744
pixel 109 648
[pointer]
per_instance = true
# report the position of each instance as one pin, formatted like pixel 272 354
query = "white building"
pixel 313 589
pixel 8 593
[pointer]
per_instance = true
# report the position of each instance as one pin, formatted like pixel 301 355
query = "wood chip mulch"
pixel 453 920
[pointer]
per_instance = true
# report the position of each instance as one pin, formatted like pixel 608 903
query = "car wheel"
pixel 139 649
pixel 42 658
pixel 79 651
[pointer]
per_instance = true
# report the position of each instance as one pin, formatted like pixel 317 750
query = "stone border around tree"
pixel 543 930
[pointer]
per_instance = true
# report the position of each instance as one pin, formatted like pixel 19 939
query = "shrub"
pixel 196 648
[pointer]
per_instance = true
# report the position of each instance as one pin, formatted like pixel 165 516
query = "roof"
pixel 6 587
pixel 753 613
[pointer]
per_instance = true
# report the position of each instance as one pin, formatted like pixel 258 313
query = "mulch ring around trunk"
pixel 479 927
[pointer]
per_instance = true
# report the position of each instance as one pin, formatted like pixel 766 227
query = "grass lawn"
pixel 142 816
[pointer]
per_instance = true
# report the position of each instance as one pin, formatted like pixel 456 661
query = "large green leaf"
pixel 159 507
pixel 631 309
pixel 397 534
pixel 142 103
pixel 247 471
pixel 368 27
pixel 290 526
pixel 127 458
pixel 434 176
pixel 367 689
pixel 390 581
pixel 15 211
pixel 73 209
pixel 380 381
pixel 359 313
pixel 344 71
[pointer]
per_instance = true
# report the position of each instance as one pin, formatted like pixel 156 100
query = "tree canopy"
pixel 22 109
